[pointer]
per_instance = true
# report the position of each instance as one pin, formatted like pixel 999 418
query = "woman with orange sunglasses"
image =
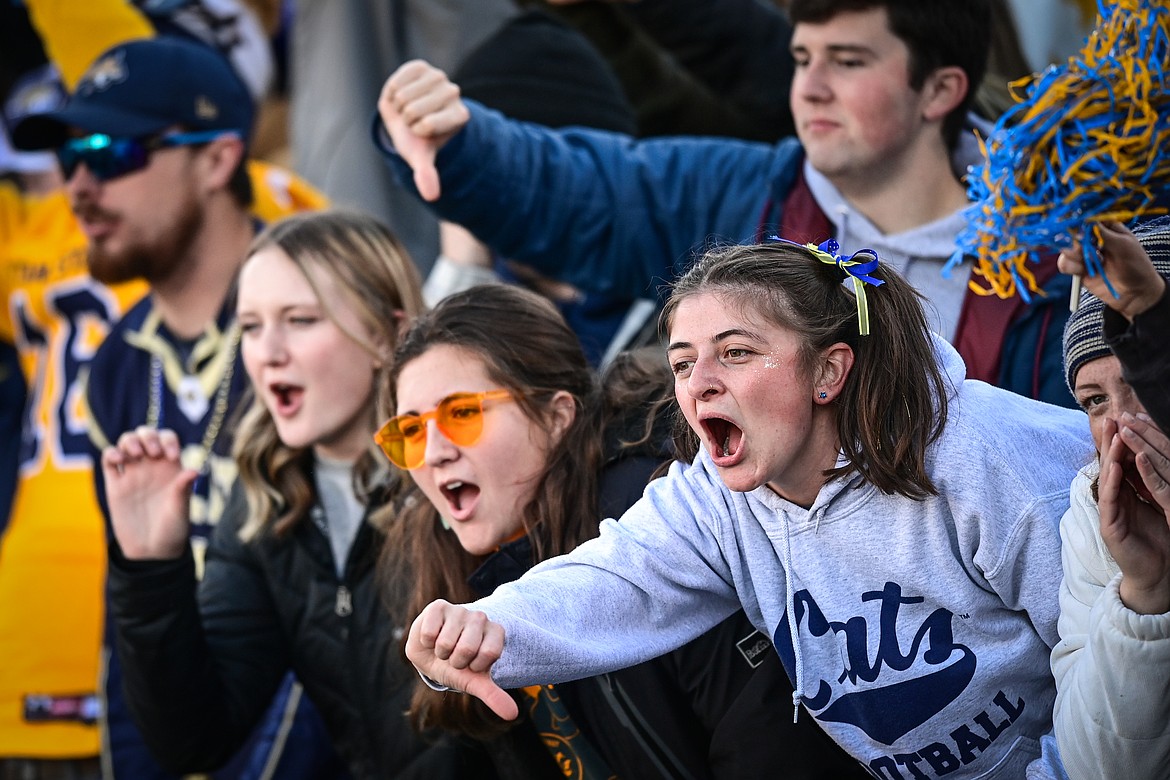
pixel 288 579
pixel 517 454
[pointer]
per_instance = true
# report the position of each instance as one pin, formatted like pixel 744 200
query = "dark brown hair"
pixel 893 403
pixel 527 348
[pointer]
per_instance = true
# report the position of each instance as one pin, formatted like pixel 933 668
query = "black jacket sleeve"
pixel 200 664
pixel 737 687
pixel 1145 360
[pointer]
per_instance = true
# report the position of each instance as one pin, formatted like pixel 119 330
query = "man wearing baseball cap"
pixel 152 145
pixel 151 142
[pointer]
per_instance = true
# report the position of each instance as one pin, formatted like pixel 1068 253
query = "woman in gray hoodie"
pixel 890 525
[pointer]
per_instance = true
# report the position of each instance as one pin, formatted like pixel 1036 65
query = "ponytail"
pixel 894 402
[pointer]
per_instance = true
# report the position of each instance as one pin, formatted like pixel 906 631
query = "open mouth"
pixel 461 498
pixel 286 398
pixel 724 438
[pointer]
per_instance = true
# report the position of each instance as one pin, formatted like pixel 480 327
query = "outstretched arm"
pixel 148 493
pixel 648 584
pixel 597 210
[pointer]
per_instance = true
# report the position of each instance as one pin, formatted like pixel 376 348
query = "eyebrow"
pixel 836 48
pixel 286 308
pixel 417 413
pixel 747 334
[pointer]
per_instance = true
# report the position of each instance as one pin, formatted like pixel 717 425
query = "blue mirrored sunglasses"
pixel 108 158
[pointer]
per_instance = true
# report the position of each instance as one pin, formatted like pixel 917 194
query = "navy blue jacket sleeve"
pixel 602 211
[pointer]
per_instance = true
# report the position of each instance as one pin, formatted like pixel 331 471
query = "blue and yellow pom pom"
pixel 1088 142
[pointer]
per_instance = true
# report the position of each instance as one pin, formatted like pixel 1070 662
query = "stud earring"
pixel 822 395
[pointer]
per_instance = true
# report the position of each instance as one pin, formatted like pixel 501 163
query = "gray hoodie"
pixel 918 254
pixel 922 630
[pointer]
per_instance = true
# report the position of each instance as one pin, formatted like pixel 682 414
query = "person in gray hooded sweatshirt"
pixel 889 524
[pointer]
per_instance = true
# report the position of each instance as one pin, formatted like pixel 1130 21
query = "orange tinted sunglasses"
pixel 459 417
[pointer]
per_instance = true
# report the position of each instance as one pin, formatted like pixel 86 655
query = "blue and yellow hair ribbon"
pixel 858 267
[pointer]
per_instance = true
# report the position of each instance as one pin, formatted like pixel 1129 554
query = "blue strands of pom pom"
pixel 1088 142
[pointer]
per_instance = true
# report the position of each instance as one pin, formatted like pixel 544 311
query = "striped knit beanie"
pixel 1083 337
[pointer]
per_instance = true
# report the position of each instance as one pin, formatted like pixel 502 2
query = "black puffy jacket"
pixel 202 663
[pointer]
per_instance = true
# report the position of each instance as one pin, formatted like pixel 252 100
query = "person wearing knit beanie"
pixel 1113 655
pixel 1083 340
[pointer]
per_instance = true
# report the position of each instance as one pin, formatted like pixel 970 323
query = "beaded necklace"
pixel 154 411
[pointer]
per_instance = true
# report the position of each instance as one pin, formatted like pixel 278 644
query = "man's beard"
pixel 154 263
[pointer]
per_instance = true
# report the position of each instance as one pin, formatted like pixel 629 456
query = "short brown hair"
pixel 939 33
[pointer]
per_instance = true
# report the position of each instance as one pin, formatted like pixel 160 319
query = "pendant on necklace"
pixel 191 399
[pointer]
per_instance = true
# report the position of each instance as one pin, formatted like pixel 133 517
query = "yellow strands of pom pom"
pixel 1087 143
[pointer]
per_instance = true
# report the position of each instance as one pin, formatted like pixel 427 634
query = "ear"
pixel 562 410
pixel 944 89
pixel 219 160
pixel 835 364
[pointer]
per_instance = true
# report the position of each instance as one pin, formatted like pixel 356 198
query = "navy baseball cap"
pixel 142 87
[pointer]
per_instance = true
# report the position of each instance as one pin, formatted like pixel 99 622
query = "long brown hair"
pixel 893 403
pixel 378 281
pixel 527 348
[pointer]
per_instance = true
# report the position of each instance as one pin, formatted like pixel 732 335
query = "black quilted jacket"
pixel 202 663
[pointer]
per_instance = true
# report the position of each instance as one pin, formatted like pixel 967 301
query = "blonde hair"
pixel 377 282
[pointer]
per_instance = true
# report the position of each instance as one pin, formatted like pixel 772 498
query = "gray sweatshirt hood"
pixel 843 497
